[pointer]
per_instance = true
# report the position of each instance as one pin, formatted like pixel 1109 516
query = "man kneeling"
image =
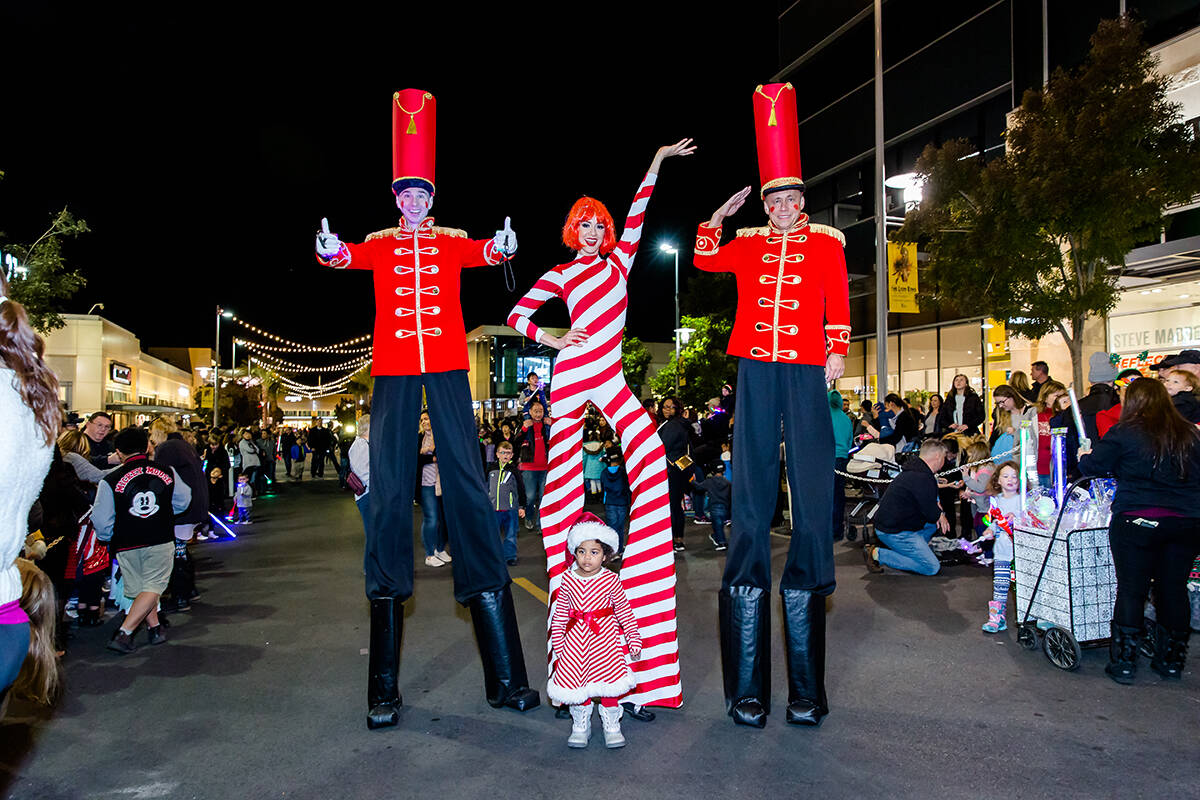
pixel 909 515
pixel 135 508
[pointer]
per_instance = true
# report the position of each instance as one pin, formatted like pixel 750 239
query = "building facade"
pixel 956 69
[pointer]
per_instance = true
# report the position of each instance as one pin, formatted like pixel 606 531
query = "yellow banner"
pixel 902 277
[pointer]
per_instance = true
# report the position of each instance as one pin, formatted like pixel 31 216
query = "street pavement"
pixel 260 693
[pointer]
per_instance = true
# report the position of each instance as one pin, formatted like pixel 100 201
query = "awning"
pixel 134 408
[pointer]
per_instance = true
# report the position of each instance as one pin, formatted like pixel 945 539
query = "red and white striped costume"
pixel 583 635
pixel 595 291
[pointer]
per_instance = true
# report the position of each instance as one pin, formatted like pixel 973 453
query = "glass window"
pixel 893 365
pixel 961 355
pixel 918 356
pixel 854 378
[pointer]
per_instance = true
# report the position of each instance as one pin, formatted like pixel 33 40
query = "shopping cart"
pixel 1067 586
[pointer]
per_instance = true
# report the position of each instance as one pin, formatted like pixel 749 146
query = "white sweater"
pixel 24 461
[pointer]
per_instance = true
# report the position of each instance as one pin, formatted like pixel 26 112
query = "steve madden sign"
pixel 1176 329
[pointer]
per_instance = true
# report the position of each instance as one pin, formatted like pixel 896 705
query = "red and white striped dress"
pixel 591 661
pixel 595 291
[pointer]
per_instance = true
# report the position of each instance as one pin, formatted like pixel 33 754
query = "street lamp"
pixel 217 362
pixel 670 248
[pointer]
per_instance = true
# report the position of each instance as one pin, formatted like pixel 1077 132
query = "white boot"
pixel 581 725
pixel 611 719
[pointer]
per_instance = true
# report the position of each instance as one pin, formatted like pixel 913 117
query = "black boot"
pixel 504 676
pixel 383 694
pixel 1123 653
pixel 745 619
pixel 1170 652
pixel 804 644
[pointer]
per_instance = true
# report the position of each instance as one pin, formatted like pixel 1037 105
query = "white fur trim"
pixel 582 531
pixel 573 697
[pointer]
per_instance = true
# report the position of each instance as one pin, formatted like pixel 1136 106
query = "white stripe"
pixel 653 587
pixel 658 629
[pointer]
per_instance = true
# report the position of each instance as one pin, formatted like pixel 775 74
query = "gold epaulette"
pixel 828 230
pixel 457 233
pixel 759 231
pixel 386 233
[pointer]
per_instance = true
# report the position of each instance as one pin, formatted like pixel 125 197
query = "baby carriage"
pixel 870 463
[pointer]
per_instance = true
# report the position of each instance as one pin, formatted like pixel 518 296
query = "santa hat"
pixel 589 526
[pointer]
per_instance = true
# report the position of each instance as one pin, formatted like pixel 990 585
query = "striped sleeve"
pixel 625 616
pixel 558 625
pixel 627 247
pixel 547 287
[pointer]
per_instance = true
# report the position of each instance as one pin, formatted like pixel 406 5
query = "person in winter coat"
pixel 503 495
pixel 843 440
pixel 1155 528
pixel 962 410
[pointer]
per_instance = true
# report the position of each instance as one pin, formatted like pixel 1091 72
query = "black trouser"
pixel 677 487
pixel 478 564
pixel 1162 554
pixel 792 396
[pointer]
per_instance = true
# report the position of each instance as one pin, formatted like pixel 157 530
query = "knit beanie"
pixel 1101 369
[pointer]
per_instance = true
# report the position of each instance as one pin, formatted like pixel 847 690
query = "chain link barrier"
pixel 987 460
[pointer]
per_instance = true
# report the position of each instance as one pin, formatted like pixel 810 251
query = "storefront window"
pixel 918 354
pixel 893 368
pixel 1156 320
pixel 961 355
pixel 854 378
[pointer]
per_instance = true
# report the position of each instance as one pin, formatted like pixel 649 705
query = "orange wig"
pixel 584 209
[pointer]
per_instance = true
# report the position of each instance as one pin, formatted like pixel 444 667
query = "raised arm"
pixel 708 255
pixel 548 286
pixel 333 252
pixel 632 235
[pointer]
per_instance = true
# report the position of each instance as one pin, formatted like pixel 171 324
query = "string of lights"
pixel 280 349
pixel 289 366
pixel 300 348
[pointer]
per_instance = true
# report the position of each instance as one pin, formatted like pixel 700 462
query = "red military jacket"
pixel 418 316
pixel 793 297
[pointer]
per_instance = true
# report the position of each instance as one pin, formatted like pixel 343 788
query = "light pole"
pixel 670 248
pixel 217 362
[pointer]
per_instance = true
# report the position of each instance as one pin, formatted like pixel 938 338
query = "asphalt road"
pixel 261 694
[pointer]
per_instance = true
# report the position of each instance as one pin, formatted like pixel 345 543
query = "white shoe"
pixel 611 719
pixel 581 725
pixel 443 555
pixel 434 561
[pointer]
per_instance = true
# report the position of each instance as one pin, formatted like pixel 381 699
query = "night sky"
pixel 203 148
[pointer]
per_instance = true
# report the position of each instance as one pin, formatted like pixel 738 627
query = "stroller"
pixel 871 461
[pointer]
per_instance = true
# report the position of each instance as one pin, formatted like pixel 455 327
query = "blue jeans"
pixel 909 550
pixel 535 484
pixel 615 517
pixel 719 515
pixel 508 532
pixel 433 527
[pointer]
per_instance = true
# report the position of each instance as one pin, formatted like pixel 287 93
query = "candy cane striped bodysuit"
pixel 595 290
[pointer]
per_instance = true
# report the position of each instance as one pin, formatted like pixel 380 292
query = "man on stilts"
pixel 791 336
pixel 419 342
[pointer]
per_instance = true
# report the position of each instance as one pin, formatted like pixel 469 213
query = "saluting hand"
pixel 731 207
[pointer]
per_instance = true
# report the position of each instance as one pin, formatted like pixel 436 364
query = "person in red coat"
pixel 791 335
pixel 420 344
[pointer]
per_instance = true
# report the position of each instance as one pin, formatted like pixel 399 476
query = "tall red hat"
pixel 777 132
pixel 414 139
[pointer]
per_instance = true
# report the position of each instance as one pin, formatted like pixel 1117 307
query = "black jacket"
pixel 676 435
pixel 911 501
pixel 182 456
pixel 904 426
pixel 973 415
pixel 1187 405
pixel 1125 452
pixel 1100 397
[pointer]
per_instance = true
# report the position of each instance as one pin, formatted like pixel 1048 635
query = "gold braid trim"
pixel 762 231
pixel 386 233
pixel 457 233
pixel 828 230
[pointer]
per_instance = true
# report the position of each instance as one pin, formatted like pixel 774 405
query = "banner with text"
pixel 902 277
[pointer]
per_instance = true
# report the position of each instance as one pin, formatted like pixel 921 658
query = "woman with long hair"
pixel 962 410
pixel 594 286
pixel 31 414
pixel 676 436
pixel 930 418
pixel 1155 529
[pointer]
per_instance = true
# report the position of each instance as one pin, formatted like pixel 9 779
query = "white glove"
pixel 328 244
pixel 505 241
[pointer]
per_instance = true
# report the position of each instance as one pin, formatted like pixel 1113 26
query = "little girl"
pixel 583 633
pixel 1005 502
